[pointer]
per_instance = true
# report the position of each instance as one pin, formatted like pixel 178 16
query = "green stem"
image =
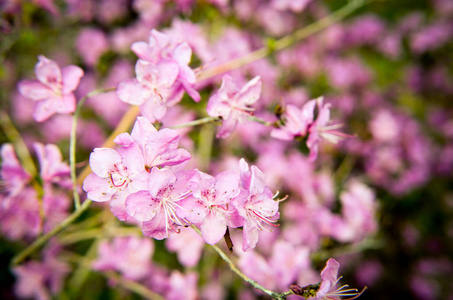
pixel 43 239
pixel 19 145
pixel 201 121
pixel 72 142
pixel 286 41
pixel 244 277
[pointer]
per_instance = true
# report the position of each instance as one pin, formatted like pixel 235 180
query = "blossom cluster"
pixel 141 186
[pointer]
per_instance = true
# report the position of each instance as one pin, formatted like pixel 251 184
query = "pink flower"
pixel 159 148
pixel 296 122
pixel 98 44
pixel 320 129
pixel 115 175
pixel 131 256
pixel 232 103
pixel 52 169
pixel 255 204
pixel 161 48
pixel 13 175
pixel 158 206
pixel 188 246
pixel 53 90
pixel 210 207
pixel 151 89
pixel 330 278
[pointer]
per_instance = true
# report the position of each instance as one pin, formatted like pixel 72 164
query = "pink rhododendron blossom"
pixel 151 89
pixel 296 121
pixel 53 90
pixel 14 177
pixel 98 44
pixel 159 148
pixel 128 255
pixel 188 245
pixel 300 123
pixel 210 207
pixel 158 206
pixel 52 169
pixel 20 215
pixel 41 280
pixel 278 271
pixel 320 129
pixel 161 47
pixel 232 103
pixel 182 286
pixel 330 279
pixel 115 175
pixel 255 204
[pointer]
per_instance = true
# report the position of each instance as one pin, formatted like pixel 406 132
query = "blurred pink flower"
pixel 131 256
pixel 232 103
pixel 188 246
pixel 91 43
pixel 53 90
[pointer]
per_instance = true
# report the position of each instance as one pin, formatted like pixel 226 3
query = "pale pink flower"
pixel 254 204
pixel 53 90
pixel 14 177
pixel 159 148
pixel 131 256
pixel 52 168
pixel 328 290
pixel 115 175
pixel 188 245
pixel 209 205
pixel 158 206
pixel 161 47
pixel 91 43
pixel 233 103
pixel 152 89
pixel 182 286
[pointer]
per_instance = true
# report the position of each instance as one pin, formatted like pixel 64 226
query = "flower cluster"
pixel 141 185
pixel 162 75
pixel 26 211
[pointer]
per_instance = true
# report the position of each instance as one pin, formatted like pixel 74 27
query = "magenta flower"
pixel 330 279
pixel 255 204
pixel 296 121
pixel 320 129
pixel 210 207
pixel 53 90
pixel 232 103
pixel 159 148
pixel 158 206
